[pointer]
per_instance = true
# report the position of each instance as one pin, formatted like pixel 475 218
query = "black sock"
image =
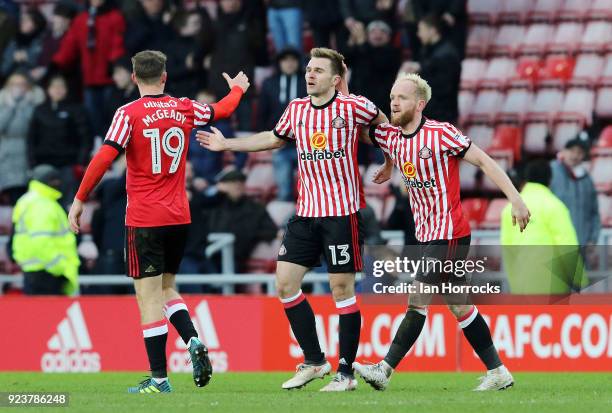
pixel 350 327
pixel 155 336
pixel 177 313
pixel 478 334
pixel 304 328
pixel 407 334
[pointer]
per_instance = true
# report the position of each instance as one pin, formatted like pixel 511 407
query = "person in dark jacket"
pixel 452 13
pixel 59 135
pixel 23 52
pixel 440 66
pixel 278 90
pixel 95 40
pixel 150 29
pixel 325 21
pixel 124 89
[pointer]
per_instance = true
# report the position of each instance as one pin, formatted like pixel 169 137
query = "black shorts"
pixel 443 251
pixel 152 251
pixel 339 239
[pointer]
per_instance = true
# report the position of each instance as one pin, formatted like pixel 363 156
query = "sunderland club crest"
pixel 425 153
pixel 338 122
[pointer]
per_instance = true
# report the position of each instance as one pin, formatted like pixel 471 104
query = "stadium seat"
pixel 578 105
pixel 535 138
pixel 260 74
pixel 377 204
pixel 263 258
pixel 556 71
pixel 505 162
pixel 474 210
pixel 466 100
pixel 370 187
pixel 564 131
pixel 516 103
pixel 479 40
pixel 596 37
pixel 604 143
pixel 507 138
pixel 546 103
pixel 527 72
pixel 280 211
pixel 574 9
pixel 601 172
pixel 467 176
pixel 486 106
pixel 472 70
pixel 515 11
pixel 606 75
pixel 6 214
pixel 600 9
pixel 603 103
pixel 492 217
pixel 588 70
pixel 508 40
pixel 481 135
pixel 605 209
pixel 260 181
pixel 545 10
pixel 499 72
pixel 566 38
pixel 537 37
pixel 483 11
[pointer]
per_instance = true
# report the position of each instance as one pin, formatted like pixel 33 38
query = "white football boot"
pixel 305 373
pixel 374 374
pixel 496 379
pixel 341 382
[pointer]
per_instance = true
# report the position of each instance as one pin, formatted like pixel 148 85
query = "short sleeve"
pixel 453 142
pixel 380 137
pixel 118 134
pixel 283 129
pixel 365 110
pixel 203 113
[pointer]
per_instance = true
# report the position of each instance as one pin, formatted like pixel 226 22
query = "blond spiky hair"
pixel 423 89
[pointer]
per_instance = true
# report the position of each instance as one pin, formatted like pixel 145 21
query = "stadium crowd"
pixel 66 68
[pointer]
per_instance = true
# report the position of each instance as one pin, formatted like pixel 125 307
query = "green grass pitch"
pixel 260 392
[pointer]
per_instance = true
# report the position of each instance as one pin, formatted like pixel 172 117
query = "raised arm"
pixel 238 87
pixel 215 141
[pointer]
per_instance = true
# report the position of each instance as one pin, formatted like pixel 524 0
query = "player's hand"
pixel 241 80
pixel 74 216
pixel 383 174
pixel 520 214
pixel 214 141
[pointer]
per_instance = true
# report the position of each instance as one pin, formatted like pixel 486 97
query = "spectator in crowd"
pixel 357 14
pixel 277 91
pixel 401 218
pixel 573 185
pixel 440 66
pixel 453 15
pixel 42 244
pixel 236 213
pixel 208 164
pixel 237 37
pixel 150 29
pixel 23 52
pixel 59 135
pixel 63 13
pixel 285 23
pixel 124 88
pixel 551 264
pixel 8 27
pixel 95 39
pixel 18 99
pixel 325 21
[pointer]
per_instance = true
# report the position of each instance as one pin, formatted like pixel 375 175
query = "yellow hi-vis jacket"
pixel 545 258
pixel 42 239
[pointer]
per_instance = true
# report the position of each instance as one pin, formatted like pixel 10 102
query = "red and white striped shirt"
pixel 154 131
pixel 429 163
pixel 326 141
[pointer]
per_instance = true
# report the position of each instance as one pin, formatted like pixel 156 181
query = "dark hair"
pixel 335 58
pixel 538 171
pixel 40 23
pixel 432 20
pixel 149 65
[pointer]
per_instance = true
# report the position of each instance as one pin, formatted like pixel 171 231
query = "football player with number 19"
pixel 154 132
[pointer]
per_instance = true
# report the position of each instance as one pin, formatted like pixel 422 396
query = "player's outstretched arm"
pixel 215 141
pixel 95 171
pixel 520 212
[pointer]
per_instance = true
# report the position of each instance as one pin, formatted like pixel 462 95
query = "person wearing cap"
pixel 572 183
pixel 43 244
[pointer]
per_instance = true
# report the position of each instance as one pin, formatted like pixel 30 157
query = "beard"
pixel 403 118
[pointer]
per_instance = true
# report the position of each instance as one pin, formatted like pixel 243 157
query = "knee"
pixel 460 310
pixel 342 291
pixel 286 288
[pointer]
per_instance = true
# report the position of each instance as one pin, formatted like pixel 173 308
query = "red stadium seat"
pixel 564 131
pixel 515 11
pixel 606 75
pixel 483 11
pixel 588 70
pixel 600 9
pixel 263 258
pixel 597 36
pixel 537 38
pixel 479 40
pixel 474 210
pixel 260 181
pixel 566 38
pixel 557 70
pixel 601 172
pixel 574 9
pixel 499 72
pixel 546 104
pixel 466 101
pixel 472 70
pixel 535 138
pixel 370 187
pixel 486 106
pixel 6 223
pixel 508 40
pixel 604 143
pixel 605 209
pixel 603 103
pixel 481 135
pixel 280 211
pixel 492 217
pixel 527 72
pixel 578 105
pixel 515 105
pixel 545 10
pixel 508 138
pixel 467 176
